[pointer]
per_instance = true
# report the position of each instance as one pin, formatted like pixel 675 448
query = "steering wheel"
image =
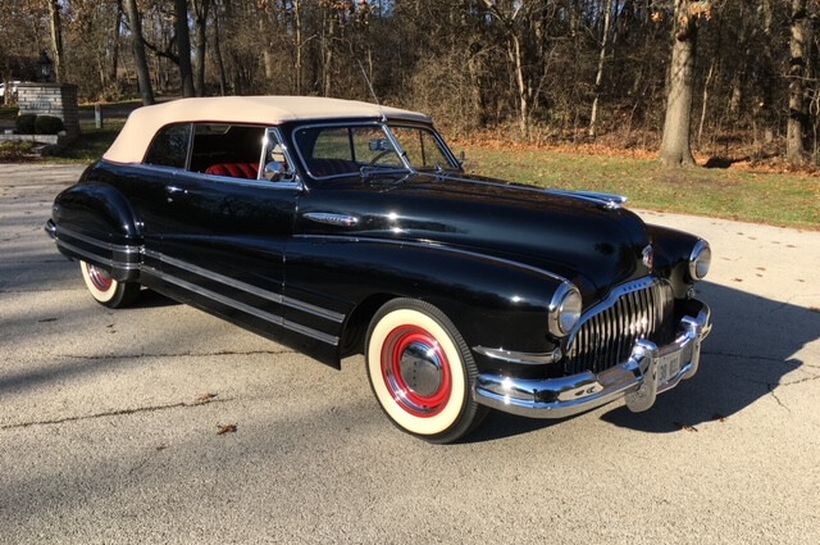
pixel 378 156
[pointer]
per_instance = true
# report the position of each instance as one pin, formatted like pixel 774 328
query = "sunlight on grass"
pixel 778 199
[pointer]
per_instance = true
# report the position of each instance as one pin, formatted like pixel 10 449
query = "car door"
pixel 222 236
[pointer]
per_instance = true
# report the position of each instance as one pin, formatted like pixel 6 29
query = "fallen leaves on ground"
pixel 685 427
pixel 205 398
pixel 227 428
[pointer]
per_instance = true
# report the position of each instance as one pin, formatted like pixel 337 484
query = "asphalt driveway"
pixel 109 422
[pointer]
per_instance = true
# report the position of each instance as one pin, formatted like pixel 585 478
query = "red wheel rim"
pixel 416 371
pixel 100 278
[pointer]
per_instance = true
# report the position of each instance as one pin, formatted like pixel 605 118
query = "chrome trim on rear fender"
pixel 636 379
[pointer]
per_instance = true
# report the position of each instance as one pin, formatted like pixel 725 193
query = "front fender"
pixel 672 250
pixel 493 302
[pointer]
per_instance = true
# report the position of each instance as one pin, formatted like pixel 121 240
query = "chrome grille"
pixel 606 333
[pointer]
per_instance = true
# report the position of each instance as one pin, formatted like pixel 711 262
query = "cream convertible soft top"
pixel 143 123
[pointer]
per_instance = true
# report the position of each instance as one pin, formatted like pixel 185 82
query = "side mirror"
pixel 380 144
pixel 275 171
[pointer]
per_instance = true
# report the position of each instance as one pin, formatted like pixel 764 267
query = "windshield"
pixel 338 150
pixel 422 148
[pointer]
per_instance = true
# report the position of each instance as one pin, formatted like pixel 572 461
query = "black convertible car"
pixel 341 227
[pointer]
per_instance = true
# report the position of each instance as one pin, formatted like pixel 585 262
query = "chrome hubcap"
pixel 100 278
pixel 421 369
pixel 416 371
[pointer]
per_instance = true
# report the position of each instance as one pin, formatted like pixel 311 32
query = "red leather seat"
pixel 234 170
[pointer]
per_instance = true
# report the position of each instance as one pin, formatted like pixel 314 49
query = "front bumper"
pixel 650 370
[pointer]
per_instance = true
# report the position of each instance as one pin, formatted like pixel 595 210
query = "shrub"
pixel 16 151
pixel 47 124
pixel 25 123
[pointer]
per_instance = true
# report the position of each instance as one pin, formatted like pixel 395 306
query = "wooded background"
pixel 733 76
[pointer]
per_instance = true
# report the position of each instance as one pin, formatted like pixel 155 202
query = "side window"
pixel 220 149
pixel 170 147
pixel 339 151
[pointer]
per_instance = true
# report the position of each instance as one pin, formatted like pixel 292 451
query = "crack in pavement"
pixel 178 355
pixel 774 395
pixel 121 412
pixel 800 381
pixel 744 356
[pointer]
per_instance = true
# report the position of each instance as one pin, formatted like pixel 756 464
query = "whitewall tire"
pixel 421 371
pixel 104 289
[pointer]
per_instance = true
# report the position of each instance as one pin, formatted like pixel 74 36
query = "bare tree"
pixel 798 47
pixel 201 11
pixel 675 147
pixel 138 45
pixel 55 23
pixel 599 75
pixel 184 47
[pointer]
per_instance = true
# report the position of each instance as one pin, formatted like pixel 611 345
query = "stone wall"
pixel 51 99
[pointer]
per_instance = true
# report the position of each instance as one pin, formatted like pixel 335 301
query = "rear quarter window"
pixel 170 147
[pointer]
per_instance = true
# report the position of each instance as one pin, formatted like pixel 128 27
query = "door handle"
pixel 173 190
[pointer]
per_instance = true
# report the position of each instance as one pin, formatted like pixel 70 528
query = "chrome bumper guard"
pixel 640 379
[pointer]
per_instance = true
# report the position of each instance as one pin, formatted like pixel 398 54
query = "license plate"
pixel 668 366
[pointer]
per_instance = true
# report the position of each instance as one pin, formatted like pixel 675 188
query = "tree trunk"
pixel 297 16
pixel 328 30
pixel 264 33
pixel 184 47
pixel 798 45
pixel 201 9
pixel 675 147
pixel 220 61
pixel 599 76
pixel 115 47
pixel 705 104
pixel 56 39
pixel 523 99
pixel 138 45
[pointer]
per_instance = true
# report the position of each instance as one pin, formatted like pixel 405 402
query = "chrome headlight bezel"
pixel 700 260
pixel 565 309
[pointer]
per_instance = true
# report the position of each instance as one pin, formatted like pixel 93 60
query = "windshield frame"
pixel 385 125
pixel 455 164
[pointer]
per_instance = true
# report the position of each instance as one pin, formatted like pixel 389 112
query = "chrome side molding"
pixel 332 218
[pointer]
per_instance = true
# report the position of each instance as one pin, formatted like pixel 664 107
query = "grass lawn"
pixel 90 145
pixel 778 199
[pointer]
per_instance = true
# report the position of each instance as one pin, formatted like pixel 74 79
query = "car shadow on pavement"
pixel 151 299
pixel 752 347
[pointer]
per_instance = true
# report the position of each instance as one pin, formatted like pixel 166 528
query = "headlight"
pixel 699 260
pixel 564 310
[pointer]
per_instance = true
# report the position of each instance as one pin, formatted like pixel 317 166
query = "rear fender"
pixel 94 222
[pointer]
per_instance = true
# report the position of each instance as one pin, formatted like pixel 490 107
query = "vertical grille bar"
pixel 607 333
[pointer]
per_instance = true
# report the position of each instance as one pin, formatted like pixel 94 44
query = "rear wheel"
pixel 422 371
pixel 105 290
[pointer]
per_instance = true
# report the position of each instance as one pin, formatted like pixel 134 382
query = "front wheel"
pixel 421 371
pixel 105 290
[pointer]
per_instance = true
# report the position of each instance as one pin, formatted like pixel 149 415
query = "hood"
pixel 586 242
